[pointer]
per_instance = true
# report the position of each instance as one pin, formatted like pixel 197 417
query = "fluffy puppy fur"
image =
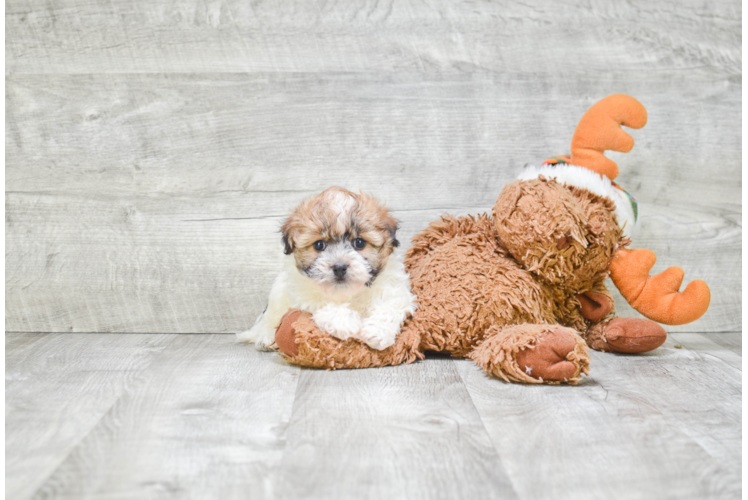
pixel 340 268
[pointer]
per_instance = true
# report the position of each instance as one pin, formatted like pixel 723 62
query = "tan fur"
pixel 466 283
pixel 336 214
pixel 489 287
pixel 505 291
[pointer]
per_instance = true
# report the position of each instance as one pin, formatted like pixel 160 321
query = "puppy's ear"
pixel 287 237
pixel 372 211
pixel 391 225
pixel 287 246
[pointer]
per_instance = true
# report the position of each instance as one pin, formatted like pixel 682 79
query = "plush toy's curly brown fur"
pixel 522 292
pixel 530 216
pixel 490 288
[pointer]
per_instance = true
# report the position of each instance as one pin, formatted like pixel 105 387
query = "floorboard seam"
pixel 483 425
pixel 137 380
pixel 291 414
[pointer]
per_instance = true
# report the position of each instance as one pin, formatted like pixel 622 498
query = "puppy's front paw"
pixel 261 336
pixel 340 321
pixel 378 336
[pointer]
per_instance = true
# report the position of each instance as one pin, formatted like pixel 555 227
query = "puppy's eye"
pixel 320 245
pixel 359 243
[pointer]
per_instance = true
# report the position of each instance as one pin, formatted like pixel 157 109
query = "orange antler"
pixel 657 297
pixel 600 130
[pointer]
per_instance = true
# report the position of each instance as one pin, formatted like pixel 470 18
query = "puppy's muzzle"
pixel 339 271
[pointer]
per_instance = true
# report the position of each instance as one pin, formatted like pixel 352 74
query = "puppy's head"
pixel 340 240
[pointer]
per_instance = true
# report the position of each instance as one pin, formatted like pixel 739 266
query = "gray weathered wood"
pixel 152 264
pixel 152 147
pixel 57 389
pixel 706 346
pixel 207 420
pixel 554 38
pixel 405 432
pixel 744 434
pixel 201 416
pixel 729 340
pixel 158 199
pixel 661 425
pixel 270 140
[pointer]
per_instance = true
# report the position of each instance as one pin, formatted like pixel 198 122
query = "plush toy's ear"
pixel 600 130
pixel 657 297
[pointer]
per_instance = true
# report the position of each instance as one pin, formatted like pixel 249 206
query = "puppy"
pixel 340 268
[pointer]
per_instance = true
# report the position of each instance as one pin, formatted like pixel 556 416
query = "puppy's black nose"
pixel 339 270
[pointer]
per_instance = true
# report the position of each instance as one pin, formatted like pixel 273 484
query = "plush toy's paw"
pixel 634 335
pixel 533 353
pixel 338 320
pixel 302 342
pixel 627 335
pixel 547 358
pixel 285 335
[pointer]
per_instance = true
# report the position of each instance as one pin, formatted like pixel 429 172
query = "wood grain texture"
pixel 79 36
pixel 57 389
pixel 405 432
pixel 274 139
pixel 164 218
pixel 661 425
pixel 150 265
pixel 92 416
pixel 208 421
pixel 742 222
pixel 705 346
pixel 733 341
pixel 152 148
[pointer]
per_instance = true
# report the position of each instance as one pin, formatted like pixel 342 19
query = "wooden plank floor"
pixel 201 416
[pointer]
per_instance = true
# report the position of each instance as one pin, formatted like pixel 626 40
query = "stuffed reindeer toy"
pixel 522 291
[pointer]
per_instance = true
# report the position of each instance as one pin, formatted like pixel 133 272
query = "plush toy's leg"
pixel 609 333
pixel 628 335
pixel 301 342
pixel 536 354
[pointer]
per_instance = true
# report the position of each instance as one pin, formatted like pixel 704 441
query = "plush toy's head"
pixel 564 236
pixel 569 223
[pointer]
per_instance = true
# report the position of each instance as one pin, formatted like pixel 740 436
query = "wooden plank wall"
pixel 153 147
